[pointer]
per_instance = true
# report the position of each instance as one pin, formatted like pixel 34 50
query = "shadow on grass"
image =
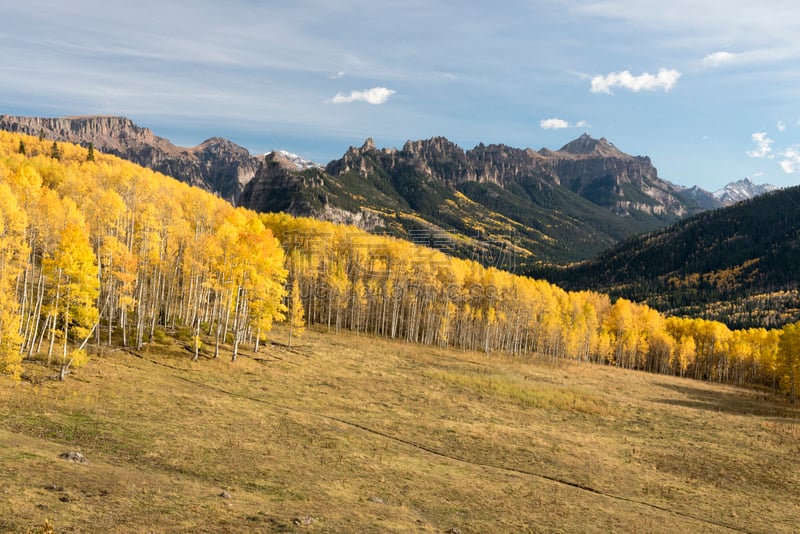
pixel 744 402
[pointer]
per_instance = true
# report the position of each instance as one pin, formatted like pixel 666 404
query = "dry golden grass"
pixel 344 433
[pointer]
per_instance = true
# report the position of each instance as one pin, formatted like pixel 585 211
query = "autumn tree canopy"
pixel 92 246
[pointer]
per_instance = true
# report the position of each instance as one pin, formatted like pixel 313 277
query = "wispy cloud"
pixel 763 149
pixel 560 124
pixel 375 96
pixel 665 80
pixel 717 59
pixel 791 162
pixel 781 126
pixel 338 76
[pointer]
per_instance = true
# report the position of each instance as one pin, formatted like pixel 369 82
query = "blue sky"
pixel 710 89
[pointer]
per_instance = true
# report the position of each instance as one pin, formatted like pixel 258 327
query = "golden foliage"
pixel 100 245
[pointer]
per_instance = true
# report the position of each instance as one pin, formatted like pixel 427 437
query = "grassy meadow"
pixel 346 433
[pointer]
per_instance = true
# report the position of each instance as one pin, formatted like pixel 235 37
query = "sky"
pixel 709 90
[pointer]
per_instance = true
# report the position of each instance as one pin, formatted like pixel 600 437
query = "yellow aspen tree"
pixel 13 252
pixel 295 315
pixel 77 265
pixel 789 359
pixel 685 353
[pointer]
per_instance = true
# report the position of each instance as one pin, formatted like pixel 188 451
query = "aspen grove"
pixel 99 248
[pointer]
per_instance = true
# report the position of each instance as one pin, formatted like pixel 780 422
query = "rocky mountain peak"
pixel 741 190
pixel 433 148
pixel 586 145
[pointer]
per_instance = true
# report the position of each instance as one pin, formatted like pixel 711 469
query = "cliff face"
pixel 275 187
pixel 598 171
pixel 216 165
pixel 594 169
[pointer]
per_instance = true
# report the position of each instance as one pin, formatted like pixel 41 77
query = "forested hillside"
pixel 493 200
pixel 95 246
pixel 737 265
pixel 96 249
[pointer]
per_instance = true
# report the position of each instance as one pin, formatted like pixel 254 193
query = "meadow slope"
pixel 346 433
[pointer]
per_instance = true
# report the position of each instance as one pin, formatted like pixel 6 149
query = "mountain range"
pixel 217 165
pixel 514 207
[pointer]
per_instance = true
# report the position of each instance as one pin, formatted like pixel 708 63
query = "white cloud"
pixel 781 126
pixel 376 95
pixel 553 124
pixel 665 79
pixel 791 161
pixel 718 59
pixel 763 150
pixel 338 76
pixel 560 124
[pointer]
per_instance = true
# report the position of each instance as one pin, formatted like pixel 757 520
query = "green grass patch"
pixel 516 388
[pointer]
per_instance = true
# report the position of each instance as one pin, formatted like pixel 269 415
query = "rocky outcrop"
pixel 225 166
pixel 216 165
pixel 365 160
pixel 598 171
pixel 280 186
pixel 501 164
pixel 275 186
pixel 593 168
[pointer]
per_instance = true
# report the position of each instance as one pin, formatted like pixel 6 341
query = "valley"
pixel 391 267
pixel 357 433
pixel 158 330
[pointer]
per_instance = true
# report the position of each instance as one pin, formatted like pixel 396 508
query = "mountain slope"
pixel 217 165
pixel 518 206
pixel 737 265
pixel 598 171
pixel 489 201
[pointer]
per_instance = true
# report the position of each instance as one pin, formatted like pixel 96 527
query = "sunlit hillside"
pixel 355 433
pixel 98 251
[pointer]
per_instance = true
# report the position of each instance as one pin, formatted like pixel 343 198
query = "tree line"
pixel 380 285
pixel 101 249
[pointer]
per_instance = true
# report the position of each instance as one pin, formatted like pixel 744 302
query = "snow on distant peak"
pixel 742 190
pixel 299 162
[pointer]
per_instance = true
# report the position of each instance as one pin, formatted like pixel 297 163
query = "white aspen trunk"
pixel 54 313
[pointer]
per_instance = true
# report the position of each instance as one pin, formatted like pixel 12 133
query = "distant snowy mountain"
pixel 741 190
pixel 299 162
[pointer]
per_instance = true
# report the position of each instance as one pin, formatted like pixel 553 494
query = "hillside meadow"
pixel 353 433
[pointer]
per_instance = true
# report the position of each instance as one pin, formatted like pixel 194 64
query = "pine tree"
pixel 55 152
pixel 21 147
pixel 90 155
